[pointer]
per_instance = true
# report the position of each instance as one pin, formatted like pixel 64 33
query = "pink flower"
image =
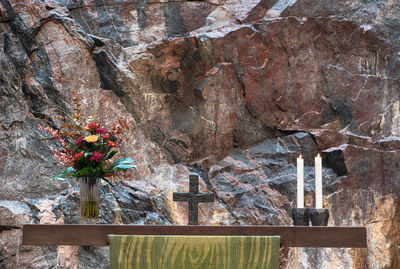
pixel 54 133
pixel 100 130
pixel 96 156
pixel 62 157
pixel 79 140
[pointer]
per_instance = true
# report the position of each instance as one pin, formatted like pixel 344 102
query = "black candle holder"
pixel 319 216
pixel 301 216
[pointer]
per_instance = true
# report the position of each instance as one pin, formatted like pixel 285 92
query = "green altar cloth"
pixel 190 252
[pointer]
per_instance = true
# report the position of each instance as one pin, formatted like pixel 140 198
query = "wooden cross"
pixel 194 197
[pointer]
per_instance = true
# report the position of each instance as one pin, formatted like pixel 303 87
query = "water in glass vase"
pixel 89 199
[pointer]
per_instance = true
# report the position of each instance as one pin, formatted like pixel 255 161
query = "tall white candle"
pixel 318 181
pixel 300 182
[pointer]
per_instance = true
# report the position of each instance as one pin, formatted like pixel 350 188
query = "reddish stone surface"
pixel 278 86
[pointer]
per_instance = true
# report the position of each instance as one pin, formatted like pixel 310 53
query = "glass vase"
pixel 89 199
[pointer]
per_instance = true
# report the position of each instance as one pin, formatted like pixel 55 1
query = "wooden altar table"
pixel 97 234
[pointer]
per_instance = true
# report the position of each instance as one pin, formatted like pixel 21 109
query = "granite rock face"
pixel 231 90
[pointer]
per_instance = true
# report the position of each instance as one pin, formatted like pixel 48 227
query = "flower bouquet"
pixel 88 152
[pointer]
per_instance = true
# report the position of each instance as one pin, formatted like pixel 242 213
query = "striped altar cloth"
pixel 191 252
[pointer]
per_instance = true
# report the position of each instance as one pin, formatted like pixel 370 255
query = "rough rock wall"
pixel 232 90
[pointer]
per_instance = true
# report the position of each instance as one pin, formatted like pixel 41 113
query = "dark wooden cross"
pixel 194 197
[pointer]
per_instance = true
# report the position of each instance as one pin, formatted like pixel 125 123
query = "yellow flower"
pixel 91 138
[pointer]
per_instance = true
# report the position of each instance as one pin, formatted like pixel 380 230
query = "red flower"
pixel 93 125
pixel 96 156
pixel 101 130
pixel 105 136
pixel 111 144
pixel 79 155
pixel 79 140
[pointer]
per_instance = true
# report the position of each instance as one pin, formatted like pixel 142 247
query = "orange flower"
pixel 111 144
pixel 91 138
pixel 105 136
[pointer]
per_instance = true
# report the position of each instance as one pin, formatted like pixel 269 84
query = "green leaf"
pixel 69 172
pixel 86 172
pixel 122 165
pixel 99 170
pixel 112 153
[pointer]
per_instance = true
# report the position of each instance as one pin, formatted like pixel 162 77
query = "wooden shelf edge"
pixel 291 236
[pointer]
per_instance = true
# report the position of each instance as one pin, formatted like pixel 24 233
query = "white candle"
pixel 318 181
pixel 300 182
